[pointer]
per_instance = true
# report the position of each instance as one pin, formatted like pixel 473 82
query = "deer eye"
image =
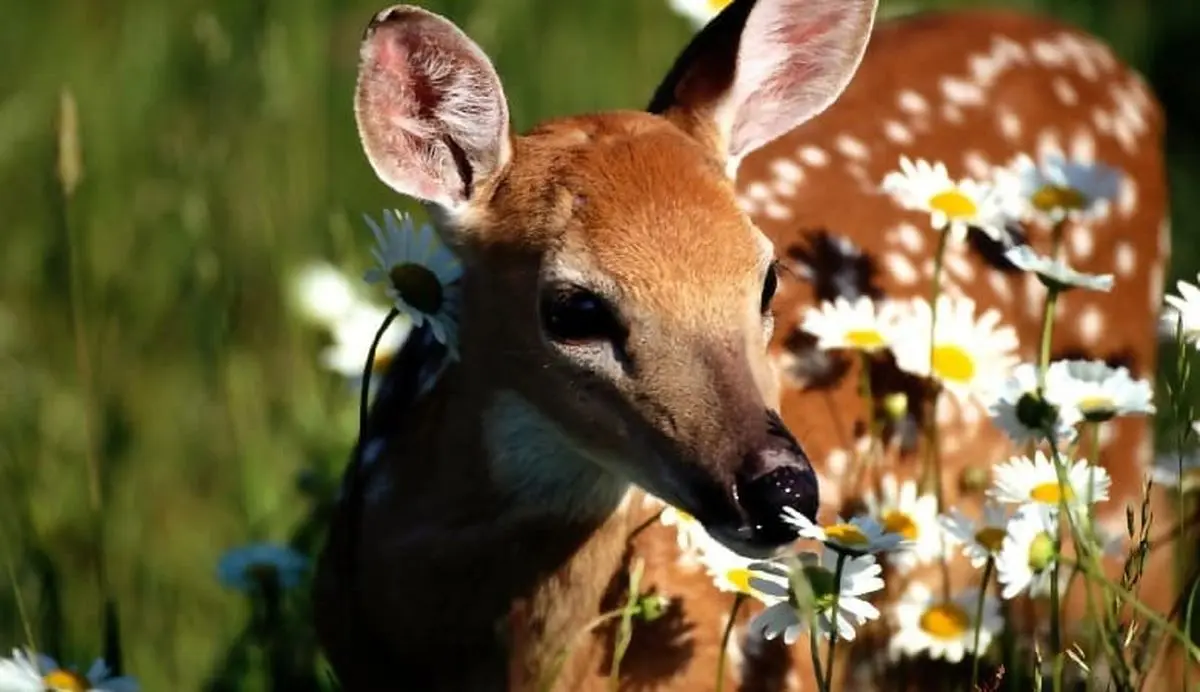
pixel 573 315
pixel 770 285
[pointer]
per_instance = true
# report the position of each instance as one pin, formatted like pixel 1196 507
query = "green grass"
pixel 219 152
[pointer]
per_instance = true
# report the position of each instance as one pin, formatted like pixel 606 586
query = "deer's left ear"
pixel 760 69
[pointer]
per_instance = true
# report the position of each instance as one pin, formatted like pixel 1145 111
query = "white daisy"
pixel 1054 273
pixel 1098 391
pixel 323 294
pixel 902 511
pixel 861 325
pixel 860 577
pixel 1185 307
pixel 421 274
pixel 1177 471
pixel 979 541
pixel 953 207
pixel 1058 188
pixel 1021 481
pixel 699 12
pixel 247 567
pixel 1022 414
pixel 862 534
pixel 943 628
pixel 689 533
pixel 352 336
pixel 1028 555
pixel 737 574
pixel 40 673
pixel 970 357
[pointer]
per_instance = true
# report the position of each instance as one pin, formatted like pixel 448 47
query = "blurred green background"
pixel 219 152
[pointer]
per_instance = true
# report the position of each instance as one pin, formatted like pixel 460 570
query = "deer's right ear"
pixel 430 109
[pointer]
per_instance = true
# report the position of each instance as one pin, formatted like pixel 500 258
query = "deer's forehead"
pixel 644 204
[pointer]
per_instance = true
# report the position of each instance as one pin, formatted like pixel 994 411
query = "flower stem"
pixel 738 600
pixel 1047 333
pixel 987 575
pixel 1055 630
pixel 625 630
pixel 931 470
pixel 833 615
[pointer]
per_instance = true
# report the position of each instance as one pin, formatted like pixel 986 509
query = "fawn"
pixel 629 322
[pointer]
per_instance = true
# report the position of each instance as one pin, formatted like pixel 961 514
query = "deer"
pixel 629 337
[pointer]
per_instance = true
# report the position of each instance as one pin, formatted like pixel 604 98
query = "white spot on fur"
pixel 900 268
pixel 960 266
pixel 1127 197
pixel 1034 293
pixel 961 92
pixel 1102 120
pixel 747 205
pixel 813 156
pixel 1164 237
pixel 1081 241
pixel 1010 124
pixel 1091 325
pixel 775 210
pixel 909 237
pixel 952 113
pixel 1125 258
pixel 852 147
pixel 787 170
pixel 912 102
pixel 977 166
pixel 837 462
pixel 897 133
pixel 792 682
pixel 1063 90
pixel 1083 146
pixel 758 191
pixel 1156 286
pixel 1048 144
pixel 545 470
pixel 1048 54
pixel 1001 286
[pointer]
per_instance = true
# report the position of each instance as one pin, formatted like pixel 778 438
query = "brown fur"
pixel 461 588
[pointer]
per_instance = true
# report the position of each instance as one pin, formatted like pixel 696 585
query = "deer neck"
pixel 517 503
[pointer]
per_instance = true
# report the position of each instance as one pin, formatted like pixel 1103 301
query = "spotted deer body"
pixel 495 517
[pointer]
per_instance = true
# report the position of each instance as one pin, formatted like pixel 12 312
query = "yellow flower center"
pixel 682 517
pixel 1050 493
pixel 865 339
pixel 1052 197
pixel 846 534
pixel 740 578
pixel 954 204
pixel 899 522
pixel 1096 403
pixel 417 286
pixel 953 364
pixel 991 538
pixel 717 5
pixel 945 621
pixel 66 681
pixel 1041 552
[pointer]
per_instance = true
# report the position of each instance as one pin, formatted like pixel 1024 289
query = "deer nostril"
pixel 764 497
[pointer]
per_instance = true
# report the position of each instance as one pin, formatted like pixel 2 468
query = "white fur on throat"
pixel 541 466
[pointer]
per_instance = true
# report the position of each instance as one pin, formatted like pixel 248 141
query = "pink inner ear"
pixel 795 59
pixel 430 109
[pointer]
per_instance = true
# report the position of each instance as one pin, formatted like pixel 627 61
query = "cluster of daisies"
pixel 1016 538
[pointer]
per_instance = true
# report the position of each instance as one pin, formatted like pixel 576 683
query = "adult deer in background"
pixel 618 338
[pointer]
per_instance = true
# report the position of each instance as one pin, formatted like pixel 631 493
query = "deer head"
pixel 616 300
